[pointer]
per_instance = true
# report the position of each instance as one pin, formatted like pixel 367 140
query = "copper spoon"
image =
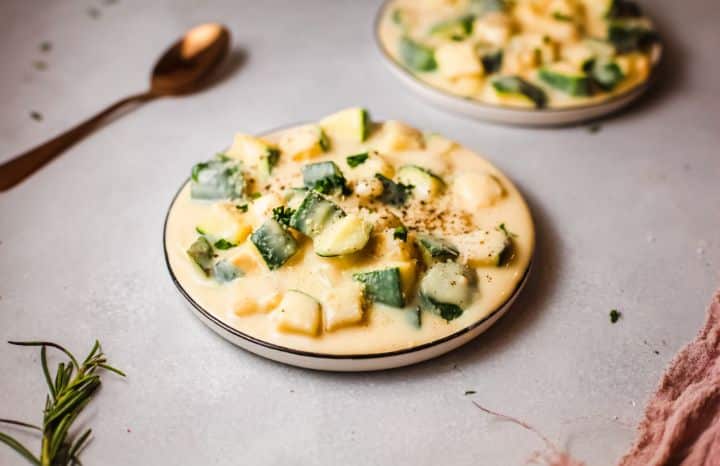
pixel 181 70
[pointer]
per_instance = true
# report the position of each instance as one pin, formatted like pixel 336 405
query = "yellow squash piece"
pixel 304 142
pixel 396 136
pixel 352 124
pixel 344 306
pixel 225 221
pixel 298 313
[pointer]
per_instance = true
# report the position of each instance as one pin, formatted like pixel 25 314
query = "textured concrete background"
pixel 627 218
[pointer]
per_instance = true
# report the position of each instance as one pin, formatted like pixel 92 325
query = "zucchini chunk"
pixel 220 178
pixel 446 290
pixel 324 177
pixel 314 214
pixel 224 271
pixel 483 7
pixel 605 74
pixel 453 29
pixel 382 286
pixel 352 124
pixel 426 185
pixel 517 87
pixel 623 9
pixel 345 235
pixel 414 317
pixel 492 61
pixel 416 56
pixel 566 79
pixel 434 249
pixel 630 35
pixel 201 252
pixel 275 244
pixel 298 312
pixel 485 248
pixel 393 193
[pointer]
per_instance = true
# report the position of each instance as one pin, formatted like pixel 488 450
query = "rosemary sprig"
pixel 69 391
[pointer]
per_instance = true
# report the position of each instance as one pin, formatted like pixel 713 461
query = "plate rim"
pixel 211 318
pixel 480 105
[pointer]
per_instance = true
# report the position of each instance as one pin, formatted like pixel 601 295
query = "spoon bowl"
pixel 183 67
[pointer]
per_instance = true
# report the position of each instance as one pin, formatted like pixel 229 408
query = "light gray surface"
pixel 627 218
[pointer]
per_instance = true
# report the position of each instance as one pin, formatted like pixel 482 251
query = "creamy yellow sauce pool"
pixel 474 196
pixel 567 52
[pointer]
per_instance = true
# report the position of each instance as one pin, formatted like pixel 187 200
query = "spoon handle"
pixel 17 169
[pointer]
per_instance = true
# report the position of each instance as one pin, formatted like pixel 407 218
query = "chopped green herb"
pixel 242 207
pixel 37 116
pixel 40 65
pixel 594 128
pixel 397 16
pixel 282 214
pixel 561 17
pixel 470 392
pixel 615 315
pixel 255 195
pixel 45 46
pixel 200 231
pixel 504 229
pixel 357 159
pixel 400 233
pixel 224 244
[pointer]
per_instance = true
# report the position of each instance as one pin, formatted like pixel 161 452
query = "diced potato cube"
pixel 261 208
pixel 298 313
pixel 457 59
pixel 225 221
pixel 374 164
pixel 258 298
pixel 249 149
pixel 397 136
pixel 246 258
pixel 477 190
pixel 493 28
pixel 344 306
pixel 386 246
pixel 304 142
pixel 408 275
pixel 438 144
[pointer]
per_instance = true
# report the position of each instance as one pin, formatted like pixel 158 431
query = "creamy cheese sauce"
pixel 382 328
pixel 530 37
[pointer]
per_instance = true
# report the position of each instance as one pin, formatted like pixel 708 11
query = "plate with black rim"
pixel 185 278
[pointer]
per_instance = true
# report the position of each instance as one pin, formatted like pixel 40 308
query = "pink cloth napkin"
pixel 681 426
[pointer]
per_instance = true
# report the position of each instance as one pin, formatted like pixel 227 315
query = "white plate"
pixel 505 114
pixel 335 362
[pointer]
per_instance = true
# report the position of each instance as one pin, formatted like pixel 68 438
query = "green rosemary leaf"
pixel 47 343
pixel 59 375
pixel 79 445
pixel 73 402
pixel 94 350
pixel 46 371
pixel 21 424
pixel 19 448
pixel 112 369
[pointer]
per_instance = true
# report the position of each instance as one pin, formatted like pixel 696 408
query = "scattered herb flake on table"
pixel 615 315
